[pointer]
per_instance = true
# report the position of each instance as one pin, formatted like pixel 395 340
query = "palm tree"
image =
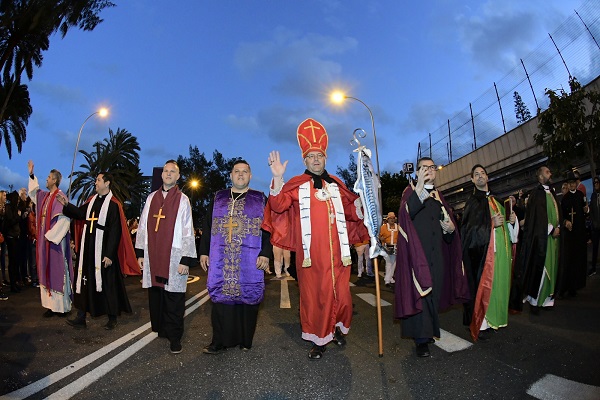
pixel 117 155
pixel 16 116
pixel 25 30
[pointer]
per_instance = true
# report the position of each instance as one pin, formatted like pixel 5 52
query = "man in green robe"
pixel 536 269
pixel 487 239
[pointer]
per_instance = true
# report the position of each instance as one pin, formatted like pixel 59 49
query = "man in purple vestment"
pixel 55 269
pixel 236 252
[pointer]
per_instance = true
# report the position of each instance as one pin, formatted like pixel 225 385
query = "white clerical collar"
pixel 572 191
pixel 428 186
pixel 546 187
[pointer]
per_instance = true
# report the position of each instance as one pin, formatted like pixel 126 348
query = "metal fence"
pixel 573 49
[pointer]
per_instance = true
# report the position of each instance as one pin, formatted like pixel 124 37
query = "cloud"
pixel 299 65
pixel 56 93
pixel 9 177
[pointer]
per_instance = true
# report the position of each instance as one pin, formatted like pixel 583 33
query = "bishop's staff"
pixel 368 187
pixel 103 112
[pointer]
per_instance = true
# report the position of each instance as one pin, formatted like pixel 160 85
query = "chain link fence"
pixel 573 49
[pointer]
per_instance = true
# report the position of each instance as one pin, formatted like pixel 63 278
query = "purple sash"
pixel 234 247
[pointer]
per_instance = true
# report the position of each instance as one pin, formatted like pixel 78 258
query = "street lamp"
pixel 103 112
pixel 338 97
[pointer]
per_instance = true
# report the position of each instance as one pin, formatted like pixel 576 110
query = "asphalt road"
pixel 557 352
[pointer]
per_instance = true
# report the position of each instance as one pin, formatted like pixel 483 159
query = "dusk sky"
pixel 239 76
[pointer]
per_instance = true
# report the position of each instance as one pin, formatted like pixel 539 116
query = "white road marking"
pixel 51 379
pixel 552 387
pixel 452 343
pixel 372 300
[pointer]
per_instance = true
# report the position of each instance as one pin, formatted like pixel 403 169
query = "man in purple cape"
pixel 236 252
pixel 429 271
pixel 55 269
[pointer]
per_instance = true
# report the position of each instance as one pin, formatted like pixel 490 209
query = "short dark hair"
pixel 240 161
pixel 171 161
pixel 420 160
pixel 106 176
pixel 478 166
pixel 57 176
pixel 539 171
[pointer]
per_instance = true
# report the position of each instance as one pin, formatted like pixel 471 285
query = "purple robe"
pixel 235 245
pixel 50 256
pixel 413 277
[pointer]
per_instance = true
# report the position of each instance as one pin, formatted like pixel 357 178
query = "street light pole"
pixel 103 112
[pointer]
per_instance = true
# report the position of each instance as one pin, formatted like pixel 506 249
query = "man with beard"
pixel 315 215
pixel 574 238
pixel 104 249
pixel 55 269
pixel 487 254
pixel 166 250
pixel 536 269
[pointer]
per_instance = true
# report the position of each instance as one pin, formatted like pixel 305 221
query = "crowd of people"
pixel 491 258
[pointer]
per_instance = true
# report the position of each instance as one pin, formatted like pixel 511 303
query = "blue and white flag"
pixel 367 187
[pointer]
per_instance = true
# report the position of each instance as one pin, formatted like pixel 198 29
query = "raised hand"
pixel 30 167
pixel 277 168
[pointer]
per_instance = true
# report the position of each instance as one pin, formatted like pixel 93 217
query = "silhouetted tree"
pixel 521 111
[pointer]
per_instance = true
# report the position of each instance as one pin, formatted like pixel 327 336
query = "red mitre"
pixel 312 136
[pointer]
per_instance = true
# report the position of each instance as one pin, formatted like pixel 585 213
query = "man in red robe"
pixel 315 215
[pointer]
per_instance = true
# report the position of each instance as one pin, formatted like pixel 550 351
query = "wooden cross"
pixel 92 219
pixel 572 213
pixel 312 127
pixel 230 225
pixel 158 217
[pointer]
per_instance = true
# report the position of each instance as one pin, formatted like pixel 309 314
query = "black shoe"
pixel 110 325
pixel 244 348
pixel 176 347
pixel 15 289
pixel 77 323
pixel 3 296
pixel 316 352
pixel 212 349
pixel 423 350
pixel 5 283
pixel 484 335
pixel 48 313
pixel 592 272
pixel 430 341
pixel 338 338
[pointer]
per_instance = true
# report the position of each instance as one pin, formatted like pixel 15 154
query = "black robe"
pixel 475 236
pixel 426 220
pixel 574 244
pixel 113 297
pixel 531 256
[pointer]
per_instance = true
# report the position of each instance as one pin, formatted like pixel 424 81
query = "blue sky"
pixel 239 76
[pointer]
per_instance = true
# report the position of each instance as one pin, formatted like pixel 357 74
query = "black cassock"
pixel 113 297
pixel 574 244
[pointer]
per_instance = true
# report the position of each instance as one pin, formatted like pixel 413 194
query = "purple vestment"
pixel 234 247
pixel 50 256
pixel 413 277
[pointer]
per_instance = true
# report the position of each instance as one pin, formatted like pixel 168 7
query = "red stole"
pixel 126 253
pixel 160 241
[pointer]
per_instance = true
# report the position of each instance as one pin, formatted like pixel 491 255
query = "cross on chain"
pixel 572 213
pixel 158 217
pixel 230 225
pixel 312 127
pixel 92 219
pixel 84 279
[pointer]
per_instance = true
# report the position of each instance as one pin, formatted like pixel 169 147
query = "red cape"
pixel 126 253
pixel 282 226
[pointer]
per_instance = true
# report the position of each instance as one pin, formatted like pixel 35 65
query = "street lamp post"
pixel 103 112
pixel 339 97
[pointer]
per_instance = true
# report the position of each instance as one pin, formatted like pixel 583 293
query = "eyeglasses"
pixel 318 156
pixel 429 167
